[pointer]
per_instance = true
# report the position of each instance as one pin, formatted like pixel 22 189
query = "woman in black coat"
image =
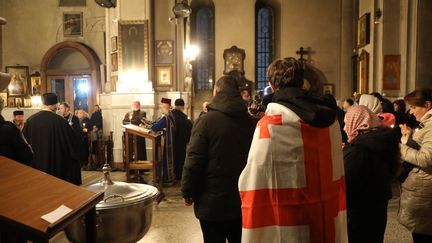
pixel 370 159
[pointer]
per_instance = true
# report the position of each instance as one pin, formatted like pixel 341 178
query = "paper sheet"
pixel 56 214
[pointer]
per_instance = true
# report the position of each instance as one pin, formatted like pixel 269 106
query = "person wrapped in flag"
pixel 293 187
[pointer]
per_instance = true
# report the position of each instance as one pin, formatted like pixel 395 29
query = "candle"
pixel 83 124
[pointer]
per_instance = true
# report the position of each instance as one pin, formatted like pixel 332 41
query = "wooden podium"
pixel 26 194
pixel 133 130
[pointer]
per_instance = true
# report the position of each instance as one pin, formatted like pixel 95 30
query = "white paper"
pixel 56 214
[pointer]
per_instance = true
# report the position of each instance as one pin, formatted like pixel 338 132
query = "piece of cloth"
pixel 13 145
pixel 54 145
pixel 216 155
pixel 49 99
pixel 387 119
pixel 220 232
pixel 415 204
pixel 371 102
pixel 166 123
pixel 359 118
pixel 18 112
pixel 182 135
pixel 293 188
pixel 166 101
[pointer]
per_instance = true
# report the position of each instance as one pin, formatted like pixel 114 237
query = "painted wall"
pixel 33 28
pixel 424 45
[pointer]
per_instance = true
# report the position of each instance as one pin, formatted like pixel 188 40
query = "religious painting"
pixel 27 102
pixel 19 83
pixel 328 89
pixel 363 30
pixel 35 85
pixel 113 43
pixel 114 80
pixel 4 96
pixel 133 46
pixel 363 73
pixel 164 76
pixel 19 102
pixel 164 52
pixel 114 62
pixel 72 24
pixel 391 72
pixel 11 102
pixel 234 60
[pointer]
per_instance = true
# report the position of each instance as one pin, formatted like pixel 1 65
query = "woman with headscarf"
pixel 415 211
pixel 370 160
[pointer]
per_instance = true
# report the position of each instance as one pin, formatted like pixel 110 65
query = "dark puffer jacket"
pixel 12 143
pixel 216 156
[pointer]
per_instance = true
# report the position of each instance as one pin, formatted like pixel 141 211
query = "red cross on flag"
pixel 293 186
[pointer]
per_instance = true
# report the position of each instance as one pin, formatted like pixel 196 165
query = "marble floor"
pixel 175 223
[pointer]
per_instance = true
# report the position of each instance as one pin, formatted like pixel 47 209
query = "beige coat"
pixel 415 211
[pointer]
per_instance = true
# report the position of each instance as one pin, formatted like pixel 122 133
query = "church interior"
pixel 114 52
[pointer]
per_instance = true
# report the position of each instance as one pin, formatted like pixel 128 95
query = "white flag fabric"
pixel 293 186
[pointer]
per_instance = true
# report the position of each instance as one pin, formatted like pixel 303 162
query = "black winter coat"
pixel 13 144
pixel 370 162
pixel 216 156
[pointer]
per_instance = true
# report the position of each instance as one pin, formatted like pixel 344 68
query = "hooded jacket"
pixel 216 155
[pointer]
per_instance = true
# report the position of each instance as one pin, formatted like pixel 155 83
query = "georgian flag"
pixel 293 187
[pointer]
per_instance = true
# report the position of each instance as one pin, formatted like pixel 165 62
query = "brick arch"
pixel 91 57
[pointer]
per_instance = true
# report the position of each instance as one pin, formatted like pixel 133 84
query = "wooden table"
pixel 132 130
pixel 26 194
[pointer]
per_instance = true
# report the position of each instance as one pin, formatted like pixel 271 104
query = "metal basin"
pixel 124 215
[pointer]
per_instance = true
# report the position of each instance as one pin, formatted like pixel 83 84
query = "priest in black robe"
pixel 52 140
pixel 136 117
pixel 183 127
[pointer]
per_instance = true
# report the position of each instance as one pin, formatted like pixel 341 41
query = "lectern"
pixel 27 194
pixel 135 164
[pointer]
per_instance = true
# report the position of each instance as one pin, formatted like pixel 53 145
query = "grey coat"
pixel 415 211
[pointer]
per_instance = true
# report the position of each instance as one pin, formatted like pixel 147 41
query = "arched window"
pixel 264 43
pixel 203 29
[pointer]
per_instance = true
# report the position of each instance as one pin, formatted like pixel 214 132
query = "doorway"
pixel 72 71
pixel 71 89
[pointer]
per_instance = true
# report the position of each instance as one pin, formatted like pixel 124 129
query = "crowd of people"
pixel 300 169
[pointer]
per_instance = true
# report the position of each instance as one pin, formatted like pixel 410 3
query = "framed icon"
pixel 164 76
pixel 164 52
pixel 363 31
pixel 72 24
pixel 19 83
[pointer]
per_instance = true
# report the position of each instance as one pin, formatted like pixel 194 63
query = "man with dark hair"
pixel 182 135
pixel 292 188
pixel 52 138
pixel 216 156
pixel 12 143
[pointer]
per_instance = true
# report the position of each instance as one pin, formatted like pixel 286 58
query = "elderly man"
pixel 293 188
pixel 52 140
pixel 137 118
pixel 166 123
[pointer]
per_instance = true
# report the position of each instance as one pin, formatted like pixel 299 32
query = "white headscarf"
pixel 371 102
